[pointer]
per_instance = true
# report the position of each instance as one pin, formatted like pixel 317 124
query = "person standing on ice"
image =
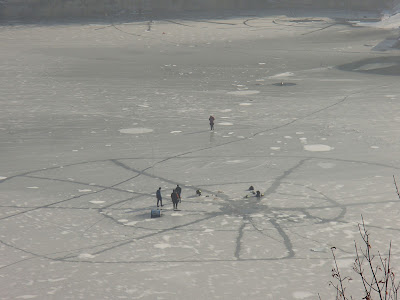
pixel 159 198
pixel 175 199
pixel 211 119
pixel 178 191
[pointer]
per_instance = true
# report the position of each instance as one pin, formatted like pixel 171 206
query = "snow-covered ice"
pixel 95 117
pixel 244 92
pixel 318 148
pixel 136 130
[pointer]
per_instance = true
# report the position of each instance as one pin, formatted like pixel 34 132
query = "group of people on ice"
pixel 175 197
pixel 176 193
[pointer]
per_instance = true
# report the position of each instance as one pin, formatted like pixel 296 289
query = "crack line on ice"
pixel 239 240
pixel 286 239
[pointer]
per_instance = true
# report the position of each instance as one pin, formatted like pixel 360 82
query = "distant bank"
pixel 67 9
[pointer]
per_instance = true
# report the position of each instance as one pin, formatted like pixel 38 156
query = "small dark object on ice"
pixel 251 188
pixel 198 193
pixel 258 194
pixel 155 213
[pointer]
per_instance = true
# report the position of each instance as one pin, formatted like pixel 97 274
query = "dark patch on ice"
pixel 250 210
pixel 284 84
pixel 388 65
pixel 239 240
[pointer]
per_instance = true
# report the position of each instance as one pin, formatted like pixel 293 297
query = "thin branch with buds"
pixel 378 279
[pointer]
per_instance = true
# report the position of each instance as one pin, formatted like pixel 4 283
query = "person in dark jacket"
pixel 178 191
pixel 211 119
pixel 159 198
pixel 175 199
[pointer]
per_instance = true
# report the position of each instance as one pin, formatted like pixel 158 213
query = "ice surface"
pixel 135 130
pixel 95 117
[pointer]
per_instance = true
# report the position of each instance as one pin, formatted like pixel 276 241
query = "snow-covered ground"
pixel 95 117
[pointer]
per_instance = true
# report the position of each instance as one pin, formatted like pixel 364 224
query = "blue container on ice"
pixel 155 213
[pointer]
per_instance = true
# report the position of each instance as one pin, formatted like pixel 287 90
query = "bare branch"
pixel 377 277
pixel 340 289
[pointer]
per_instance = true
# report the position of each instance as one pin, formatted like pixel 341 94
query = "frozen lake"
pixel 95 117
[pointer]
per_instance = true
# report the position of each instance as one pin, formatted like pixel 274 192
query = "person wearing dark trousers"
pixel 159 198
pixel 178 191
pixel 175 199
pixel 211 119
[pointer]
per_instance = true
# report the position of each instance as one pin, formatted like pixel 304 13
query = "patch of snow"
pixel 56 280
pixel 280 75
pixel 318 148
pixel 302 295
pixel 131 223
pixel 237 161
pixel 176 215
pixel 319 249
pixel 244 93
pixel 326 165
pixel 257 216
pixel 85 255
pixel 136 130
pixel 162 246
